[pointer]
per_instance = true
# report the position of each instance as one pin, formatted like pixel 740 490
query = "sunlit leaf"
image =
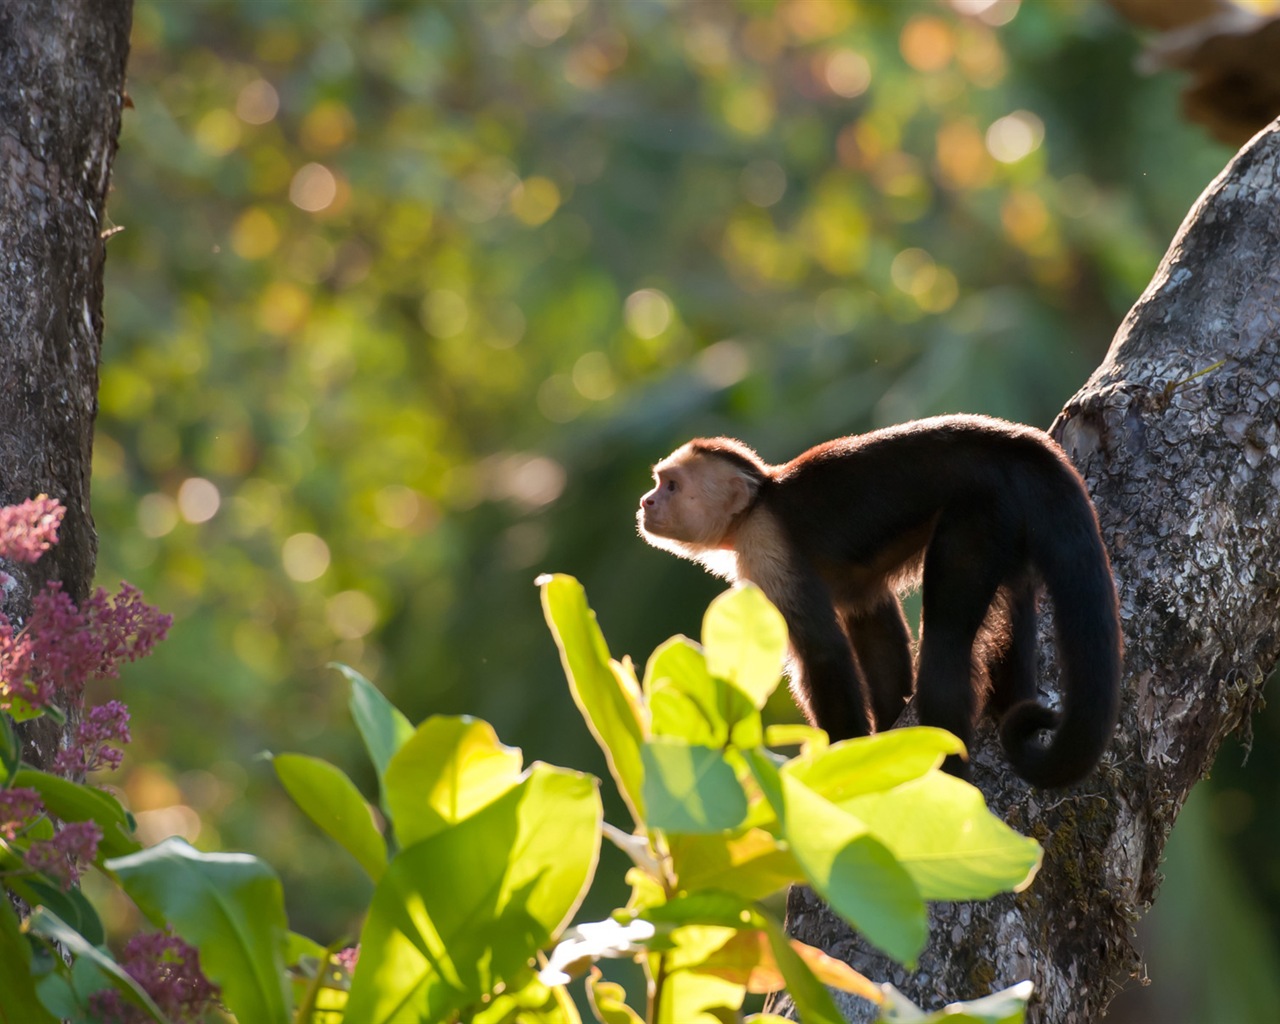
pixel 608 1001
pixel 464 910
pixel 689 788
pixel 1008 1006
pixel 745 640
pixel 847 866
pixel 605 692
pixel 448 769
pixel 382 727
pixel 753 865
pixel 870 764
pixel 331 800
pixel 939 829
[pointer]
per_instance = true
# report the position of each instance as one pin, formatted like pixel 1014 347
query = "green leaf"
pixel 19 1003
pixel 75 801
pixel 692 998
pixel 333 802
pixel 847 866
pixel 69 905
pixel 812 1000
pixel 690 789
pixel 752 865
pixel 231 906
pixel 464 911
pixel 605 692
pixel 745 639
pixel 871 764
pixel 382 727
pixel 939 829
pixel 685 700
pixel 446 771
pixel 530 1003
pixel 10 749
pixel 47 924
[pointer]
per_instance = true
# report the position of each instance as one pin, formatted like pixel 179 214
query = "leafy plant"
pixel 483 861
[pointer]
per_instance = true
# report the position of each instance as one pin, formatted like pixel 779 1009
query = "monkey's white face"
pixel 693 502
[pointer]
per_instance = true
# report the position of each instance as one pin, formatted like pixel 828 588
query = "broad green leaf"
pixel 447 770
pixel 690 789
pixel 1008 1006
pixel 75 801
pixel 608 1001
pixel 872 764
pixel 745 640
pixel 752 865
pixel 231 907
pixel 463 911
pixel 691 998
pixel 605 692
pixel 19 1003
pixel 44 922
pixel 939 829
pixel 70 906
pixel 331 800
pixel 681 694
pixel 382 727
pixel 847 866
pixel 685 700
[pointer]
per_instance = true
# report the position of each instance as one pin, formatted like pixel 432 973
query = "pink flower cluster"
pixel 30 529
pixel 18 809
pixel 59 857
pixel 63 647
pixel 168 970
pixel 91 749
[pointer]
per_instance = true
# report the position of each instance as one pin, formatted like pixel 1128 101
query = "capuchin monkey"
pixel 980 512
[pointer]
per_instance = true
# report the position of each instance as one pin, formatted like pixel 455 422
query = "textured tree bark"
pixel 62 67
pixel 1177 434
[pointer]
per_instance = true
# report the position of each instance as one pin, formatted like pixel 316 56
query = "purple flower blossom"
pixel 63 647
pixel 18 809
pixel 89 751
pixel 58 857
pixel 28 530
pixel 168 970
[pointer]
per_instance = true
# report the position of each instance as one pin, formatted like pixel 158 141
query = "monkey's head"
pixel 700 493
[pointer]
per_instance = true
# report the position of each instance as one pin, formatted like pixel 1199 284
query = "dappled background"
pixel 407 297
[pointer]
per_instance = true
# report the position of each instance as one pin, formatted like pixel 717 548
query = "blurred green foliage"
pixel 409 295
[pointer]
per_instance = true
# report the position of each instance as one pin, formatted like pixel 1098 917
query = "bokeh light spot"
pixel 313 188
pixel 305 557
pixel 648 312
pixel 927 43
pixel 258 102
pixel 351 614
pixel 198 499
pixel 1015 136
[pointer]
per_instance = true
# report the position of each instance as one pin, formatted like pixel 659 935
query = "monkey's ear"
pixel 740 494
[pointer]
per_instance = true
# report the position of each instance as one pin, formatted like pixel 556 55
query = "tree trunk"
pixel 1178 437
pixel 62 65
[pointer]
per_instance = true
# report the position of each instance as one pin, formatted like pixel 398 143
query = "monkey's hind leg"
pixel 963 567
pixel 882 642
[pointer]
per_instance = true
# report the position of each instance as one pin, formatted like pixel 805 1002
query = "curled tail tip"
pixel 1045 765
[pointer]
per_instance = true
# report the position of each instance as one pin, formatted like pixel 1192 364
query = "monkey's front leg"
pixel 825 680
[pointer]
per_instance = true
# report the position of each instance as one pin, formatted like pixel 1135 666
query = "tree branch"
pixel 1178 436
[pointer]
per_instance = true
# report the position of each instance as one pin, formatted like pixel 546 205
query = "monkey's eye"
pixel 671 485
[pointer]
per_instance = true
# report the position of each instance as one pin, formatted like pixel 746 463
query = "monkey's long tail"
pixel 1077 575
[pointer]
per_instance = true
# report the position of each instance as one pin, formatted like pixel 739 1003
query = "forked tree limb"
pixel 1177 434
